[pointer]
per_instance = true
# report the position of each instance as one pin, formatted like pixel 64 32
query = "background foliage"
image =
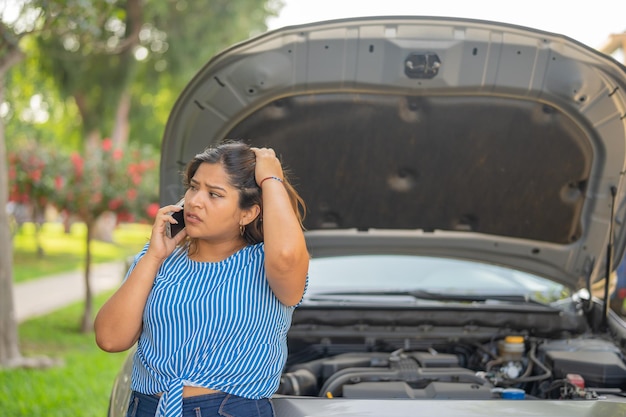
pixel 73 72
pixel 108 179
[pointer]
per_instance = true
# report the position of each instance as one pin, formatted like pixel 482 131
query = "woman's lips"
pixel 192 218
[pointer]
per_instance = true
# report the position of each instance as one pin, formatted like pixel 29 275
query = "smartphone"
pixel 172 229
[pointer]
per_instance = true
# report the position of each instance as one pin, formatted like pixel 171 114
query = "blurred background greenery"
pixel 66 251
pixel 86 88
pixel 80 377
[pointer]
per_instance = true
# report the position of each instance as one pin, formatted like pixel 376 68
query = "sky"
pixel 588 22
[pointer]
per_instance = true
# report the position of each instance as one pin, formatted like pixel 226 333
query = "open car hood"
pixel 450 137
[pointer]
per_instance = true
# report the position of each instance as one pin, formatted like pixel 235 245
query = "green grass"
pixel 66 251
pixel 81 386
pixel 78 388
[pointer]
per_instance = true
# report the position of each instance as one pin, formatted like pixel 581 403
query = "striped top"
pixel 214 325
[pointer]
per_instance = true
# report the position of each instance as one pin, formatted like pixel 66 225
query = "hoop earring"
pixel 242 229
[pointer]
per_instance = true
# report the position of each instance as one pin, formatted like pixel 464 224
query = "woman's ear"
pixel 250 214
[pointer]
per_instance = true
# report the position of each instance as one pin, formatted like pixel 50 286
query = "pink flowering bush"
pixel 104 179
pixel 34 175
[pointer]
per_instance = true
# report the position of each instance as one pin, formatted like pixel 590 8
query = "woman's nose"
pixel 194 199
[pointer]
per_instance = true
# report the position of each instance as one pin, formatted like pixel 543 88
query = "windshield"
pixel 401 273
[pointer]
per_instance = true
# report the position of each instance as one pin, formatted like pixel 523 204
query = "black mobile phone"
pixel 173 229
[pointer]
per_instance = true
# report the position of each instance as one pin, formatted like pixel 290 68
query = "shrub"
pixel 104 179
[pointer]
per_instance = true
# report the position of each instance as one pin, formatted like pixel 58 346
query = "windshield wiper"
pixel 426 295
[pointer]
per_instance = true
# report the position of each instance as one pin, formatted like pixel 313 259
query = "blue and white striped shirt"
pixel 214 325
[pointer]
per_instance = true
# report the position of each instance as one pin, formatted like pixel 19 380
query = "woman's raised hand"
pixel 161 246
pixel 267 165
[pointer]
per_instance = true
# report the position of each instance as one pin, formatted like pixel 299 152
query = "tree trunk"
pixel 9 342
pixel 92 141
pixel 104 226
pixel 87 321
pixel 122 124
pixel 10 356
pixel 38 218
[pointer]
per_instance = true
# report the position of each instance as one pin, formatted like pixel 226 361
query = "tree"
pixel 107 180
pixel 138 56
pixel 11 32
pixel 34 111
pixel 92 60
pixel 9 348
pixel 20 20
pixel 33 179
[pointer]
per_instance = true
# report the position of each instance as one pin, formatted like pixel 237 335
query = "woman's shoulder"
pixel 178 255
pixel 249 254
pixel 258 249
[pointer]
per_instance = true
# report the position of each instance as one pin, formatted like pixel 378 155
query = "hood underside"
pixel 504 142
pixel 424 163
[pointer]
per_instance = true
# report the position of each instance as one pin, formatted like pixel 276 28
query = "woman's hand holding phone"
pixel 172 229
pixel 161 244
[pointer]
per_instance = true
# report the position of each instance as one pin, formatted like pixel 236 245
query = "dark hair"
pixel 239 162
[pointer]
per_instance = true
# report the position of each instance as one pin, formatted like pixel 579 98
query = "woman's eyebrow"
pixel 196 182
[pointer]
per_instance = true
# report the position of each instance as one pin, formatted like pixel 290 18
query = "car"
pixel 465 189
pixel 618 295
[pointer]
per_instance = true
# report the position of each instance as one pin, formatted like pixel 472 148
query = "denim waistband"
pixel 215 404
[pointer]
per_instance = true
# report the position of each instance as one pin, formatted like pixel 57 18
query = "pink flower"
pixel 96 198
pixel 115 204
pixel 131 194
pixel 78 163
pixel 35 175
pixel 107 144
pixel 152 210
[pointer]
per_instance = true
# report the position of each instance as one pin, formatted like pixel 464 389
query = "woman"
pixel 210 307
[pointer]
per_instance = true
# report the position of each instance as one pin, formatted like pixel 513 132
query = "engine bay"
pixel 513 367
pixel 455 353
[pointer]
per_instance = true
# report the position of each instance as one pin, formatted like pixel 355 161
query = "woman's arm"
pixel 286 255
pixel 119 321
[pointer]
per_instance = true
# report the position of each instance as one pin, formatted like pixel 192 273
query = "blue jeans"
pixel 210 405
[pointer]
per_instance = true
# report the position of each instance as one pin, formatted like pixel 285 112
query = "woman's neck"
pixel 205 251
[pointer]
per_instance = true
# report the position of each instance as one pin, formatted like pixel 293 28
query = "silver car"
pixel 466 200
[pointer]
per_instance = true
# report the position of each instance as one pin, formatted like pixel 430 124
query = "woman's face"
pixel 212 206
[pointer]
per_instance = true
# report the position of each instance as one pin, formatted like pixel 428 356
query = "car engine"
pixel 511 367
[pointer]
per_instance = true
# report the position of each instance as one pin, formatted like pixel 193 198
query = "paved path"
pixel 44 295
